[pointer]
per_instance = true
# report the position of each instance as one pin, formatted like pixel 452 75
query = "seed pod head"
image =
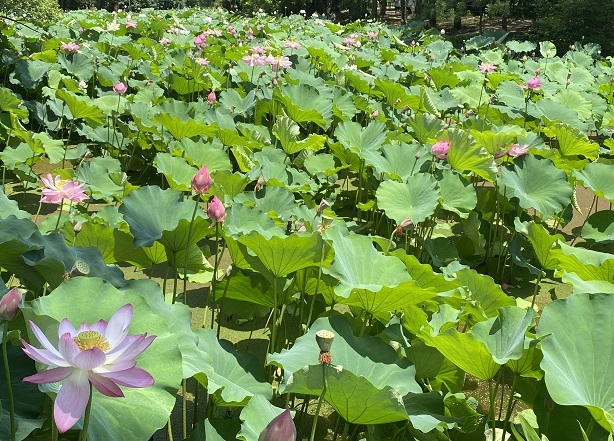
pixel 324 338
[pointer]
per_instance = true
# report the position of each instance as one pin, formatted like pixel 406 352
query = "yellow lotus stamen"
pixel 91 339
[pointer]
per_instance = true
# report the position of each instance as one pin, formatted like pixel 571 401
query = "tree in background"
pixel 566 21
pixel 36 11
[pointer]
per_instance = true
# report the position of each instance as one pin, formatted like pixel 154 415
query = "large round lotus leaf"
pixel 369 357
pixel 358 265
pixel 256 416
pixel 356 399
pixel 142 411
pixel 398 161
pixel 578 358
pixel 457 194
pixel 360 139
pixel 504 335
pixel 232 378
pixel 596 176
pixel 537 184
pixel 467 156
pixel 599 227
pixel 415 200
pixel 153 213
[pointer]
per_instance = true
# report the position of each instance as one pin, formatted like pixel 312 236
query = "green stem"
pixel 539 279
pixel 590 427
pixel 169 431
pixel 510 401
pixel 9 386
pixel 274 322
pixel 185 264
pixel 54 430
pixel 219 322
pixel 491 415
pixel 315 293
pixel 86 418
pixel 184 410
pixel 346 429
pixel 57 224
pixel 216 265
pixel 317 414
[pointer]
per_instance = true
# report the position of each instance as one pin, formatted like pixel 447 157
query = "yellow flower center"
pixel 91 339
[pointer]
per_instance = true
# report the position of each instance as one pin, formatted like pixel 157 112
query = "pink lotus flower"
pixel 9 305
pixel 372 35
pixel 534 83
pixel 101 354
pixel 254 60
pixel 200 41
pixel 440 149
pixel 216 210
pixel 211 97
pixel 70 47
pixel 281 428
pixel 130 24
pixel 56 190
pixel 292 44
pixel 231 30
pixel 256 50
pixel 516 150
pixel 165 41
pixel 202 180
pixel 278 61
pixel 120 88
pixel 487 67
pixel 202 61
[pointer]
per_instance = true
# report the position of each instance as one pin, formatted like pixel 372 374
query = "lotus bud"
pixel 281 428
pixel 216 210
pixel 9 305
pixel 440 149
pixel 405 225
pixel 323 205
pixel 201 182
pixel 211 97
pixel 77 226
pixel 120 88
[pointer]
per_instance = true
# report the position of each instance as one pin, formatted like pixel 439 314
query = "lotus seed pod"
pixel 324 339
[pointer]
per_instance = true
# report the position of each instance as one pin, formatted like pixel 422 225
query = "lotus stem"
pixel 216 266
pixel 313 299
pixel 86 418
pixel 317 414
pixel 539 279
pixel 219 322
pixel 184 408
pixel 9 386
pixel 274 323
pixel 169 431
pixel 346 429
pixel 491 415
pixel 185 263
pixel 510 403
pixel 54 430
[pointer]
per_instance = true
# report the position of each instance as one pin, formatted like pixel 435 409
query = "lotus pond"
pixel 208 219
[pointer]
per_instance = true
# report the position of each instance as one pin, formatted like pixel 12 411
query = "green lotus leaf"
pixel 79 65
pixel 9 207
pixel 581 286
pixel 31 72
pixel 155 214
pixel 254 288
pixel 368 357
pixel 415 200
pixel 396 94
pixel 200 153
pixel 425 126
pixel 511 94
pixel 360 139
pixel 232 101
pixel 229 184
pixel 552 111
pixel 356 399
pixel 577 336
pixel 520 46
pixel 596 177
pixel 466 156
pixel 504 335
pixel 177 171
pixel 281 256
pixel 537 184
pixel 457 194
pixel 179 128
pixel 359 266
pixel 9 102
pixel 255 417
pixel 80 108
pixel 572 142
pixel 236 376
pixel 287 132
pixel 443 77
pixel 485 291
pixel 469 95
pixel 572 99
pixel 215 429
pixel 304 104
pixel 321 163
pixel 465 351
pixel 400 162
pixel 142 411
pixel 424 275
pixel 544 245
pixel 599 227
pixel 528 363
pixel 102 176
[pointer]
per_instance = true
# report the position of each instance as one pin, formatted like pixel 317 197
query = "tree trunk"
pixel 374 9
pixel 403 11
pixel 504 22
pixel 457 21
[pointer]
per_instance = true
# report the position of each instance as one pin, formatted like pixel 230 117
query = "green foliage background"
pixel 37 11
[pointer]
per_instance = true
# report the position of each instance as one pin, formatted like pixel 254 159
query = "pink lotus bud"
pixel 9 305
pixel 120 88
pixel 374 114
pixel 440 149
pixel 323 205
pixel 281 428
pixel 516 150
pixel 534 83
pixel 216 210
pixel 201 180
pixel 77 227
pixel 211 97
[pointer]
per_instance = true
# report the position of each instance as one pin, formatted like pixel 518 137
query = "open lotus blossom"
pixel 120 88
pixel 101 354
pixel 202 61
pixel 487 67
pixel 372 35
pixel 289 44
pixel 278 62
pixel 534 83
pixel 70 47
pixel 440 149
pixel 516 150
pixel 254 60
pixel 130 24
pixel 57 189
pixel 165 41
